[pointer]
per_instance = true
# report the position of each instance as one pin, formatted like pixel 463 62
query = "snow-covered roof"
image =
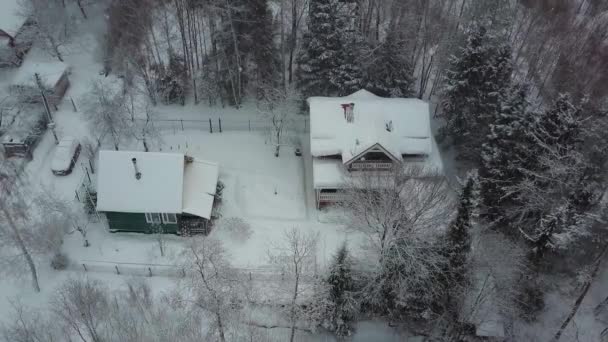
pixel 168 183
pixel 200 184
pixel 50 73
pixel 159 190
pixel 328 173
pixel 10 19
pixel 331 134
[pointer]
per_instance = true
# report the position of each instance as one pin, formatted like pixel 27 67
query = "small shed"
pixel 148 191
pixel 21 128
pixel 52 76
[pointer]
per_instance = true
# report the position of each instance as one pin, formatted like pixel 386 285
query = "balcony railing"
pixel 359 166
pixel 331 197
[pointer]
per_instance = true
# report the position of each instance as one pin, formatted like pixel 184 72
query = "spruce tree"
pixel 389 72
pixel 476 78
pixel 348 76
pixel 341 287
pixel 458 246
pixel 321 46
pixel 557 171
pixel 505 153
pixel 459 231
pixel 259 30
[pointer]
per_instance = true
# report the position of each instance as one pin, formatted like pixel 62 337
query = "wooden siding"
pixel 136 222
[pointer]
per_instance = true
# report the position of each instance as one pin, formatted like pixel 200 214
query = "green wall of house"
pixel 136 222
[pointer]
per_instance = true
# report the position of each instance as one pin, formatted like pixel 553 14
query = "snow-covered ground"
pixel 271 194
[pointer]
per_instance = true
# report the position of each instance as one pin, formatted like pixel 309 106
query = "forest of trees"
pixel 518 89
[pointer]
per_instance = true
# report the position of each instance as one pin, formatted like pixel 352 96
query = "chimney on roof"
pixel 137 173
pixel 389 126
pixel 349 114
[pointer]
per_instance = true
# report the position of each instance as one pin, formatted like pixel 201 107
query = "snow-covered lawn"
pixel 268 193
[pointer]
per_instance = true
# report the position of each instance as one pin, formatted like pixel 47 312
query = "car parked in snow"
pixel 66 154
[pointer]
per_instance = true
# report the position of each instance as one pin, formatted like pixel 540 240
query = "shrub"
pixel 60 261
pixel 531 301
pixel 219 189
pixel 236 227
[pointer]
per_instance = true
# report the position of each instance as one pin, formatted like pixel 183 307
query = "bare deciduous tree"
pixel 295 255
pixel 29 325
pixel 82 306
pixel 279 106
pixel 212 282
pixel 403 214
pixel 107 112
pixel 28 225
pixel 50 24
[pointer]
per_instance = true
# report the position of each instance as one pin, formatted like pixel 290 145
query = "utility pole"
pixel 47 109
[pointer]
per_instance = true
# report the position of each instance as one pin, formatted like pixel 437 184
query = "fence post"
pixel 210 126
pixel 117 271
pixel 219 120
pixel 182 121
pixel 73 104
pixel 88 176
pixel 85 267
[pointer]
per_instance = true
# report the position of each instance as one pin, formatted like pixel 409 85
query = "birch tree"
pixel 212 282
pixel 14 218
pixel 279 107
pixel 295 256
pixel 82 306
pixel 105 105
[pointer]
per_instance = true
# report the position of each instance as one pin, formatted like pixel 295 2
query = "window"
pixel 153 217
pixel 169 218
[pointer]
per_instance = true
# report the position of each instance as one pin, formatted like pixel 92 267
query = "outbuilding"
pixel 150 192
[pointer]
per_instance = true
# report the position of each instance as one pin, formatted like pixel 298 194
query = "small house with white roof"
pixel 51 76
pixel 363 132
pixel 148 191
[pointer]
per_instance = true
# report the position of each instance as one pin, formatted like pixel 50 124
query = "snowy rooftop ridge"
pixel 10 18
pixel 50 73
pixel 399 125
pixel 168 183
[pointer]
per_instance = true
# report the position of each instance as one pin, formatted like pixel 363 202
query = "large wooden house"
pixel 149 192
pixel 363 133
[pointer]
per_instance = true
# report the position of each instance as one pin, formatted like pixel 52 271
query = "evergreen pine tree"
pixel 474 83
pixel 172 80
pixel 535 181
pixel 504 154
pixel 341 287
pixel 389 72
pixel 557 173
pixel 348 76
pixel 458 246
pixel 321 46
pixel 259 30
pixel 459 231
